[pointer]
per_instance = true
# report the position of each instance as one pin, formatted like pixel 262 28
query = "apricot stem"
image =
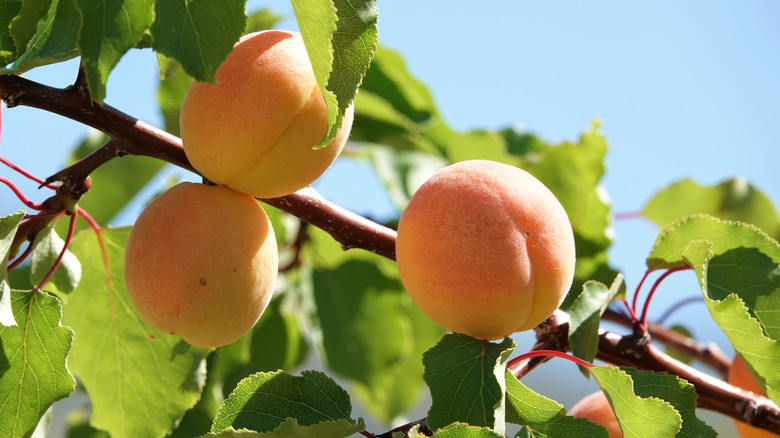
pixel 29 175
pixel 25 200
pixel 546 353
pixel 20 259
pixel 68 239
pixel 643 321
pixel 636 294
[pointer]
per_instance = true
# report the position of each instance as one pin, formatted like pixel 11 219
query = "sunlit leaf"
pixel 733 199
pixel 46 249
pixel 341 39
pixel 8 227
pixel 8 10
pixel 585 316
pixel 55 38
pixel 263 401
pixel 108 30
pixel 466 377
pixel 33 373
pixel 199 34
pixel 24 25
pixel 140 381
pixel 290 428
pixel 676 392
pixel 636 414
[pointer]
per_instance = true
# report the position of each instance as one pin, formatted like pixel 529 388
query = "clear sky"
pixel 683 89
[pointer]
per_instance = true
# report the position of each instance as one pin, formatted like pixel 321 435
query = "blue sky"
pixel 683 89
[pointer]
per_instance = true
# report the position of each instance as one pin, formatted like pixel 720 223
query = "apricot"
pixel 255 129
pixel 740 376
pixel 596 408
pixel 201 263
pixel 485 249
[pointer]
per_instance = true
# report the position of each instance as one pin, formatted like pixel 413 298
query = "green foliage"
pixel 677 392
pixel 154 378
pixel 262 401
pixel 46 249
pixel 108 30
pixel 585 317
pixel 347 307
pixel 8 226
pixel 467 381
pixel 341 39
pixel 55 38
pixel 737 265
pixel 733 199
pixel 199 34
pixel 635 413
pixel 33 374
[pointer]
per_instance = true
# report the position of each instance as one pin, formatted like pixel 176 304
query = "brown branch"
pixel 709 354
pixel 134 137
pixel 713 393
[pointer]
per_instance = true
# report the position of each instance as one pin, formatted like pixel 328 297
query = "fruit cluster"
pixel 483 248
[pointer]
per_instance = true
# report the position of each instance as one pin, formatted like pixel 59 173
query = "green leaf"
pixel 718 249
pixel 732 199
pixel 524 406
pixel 261 19
pixel 677 392
pixel 462 430
pixel 108 30
pixel 55 38
pixel 8 10
pixel 115 183
pixel 573 172
pixel 565 426
pixel 277 341
pixel 341 38
pixel 24 25
pixel 46 249
pixel 673 241
pixel 479 144
pixel 170 96
pixel 199 34
pixel 8 226
pixel 543 416
pixel 33 373
pixel 635 414
pixel 392 394
pixel 466 377
pixel 402 171
pixel 585 317
pixel 395 109
pixel 262 401
pixel 356 343
pixel 290 428
pixel 140 381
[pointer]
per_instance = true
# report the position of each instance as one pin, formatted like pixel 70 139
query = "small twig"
pixel 423 428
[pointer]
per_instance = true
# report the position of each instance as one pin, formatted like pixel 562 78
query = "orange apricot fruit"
pixel 740 376
pixel 596 408
pixel 255 129
pixel 201 263
pixel 485 249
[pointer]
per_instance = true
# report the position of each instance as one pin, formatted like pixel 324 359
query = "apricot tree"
pixel 71 325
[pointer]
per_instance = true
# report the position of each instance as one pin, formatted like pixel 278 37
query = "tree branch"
pixel 130 136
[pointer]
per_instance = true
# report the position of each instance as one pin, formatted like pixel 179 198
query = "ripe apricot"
pixel 740 376
pixel 254 131
pixel 485 249
pixel 201 262
pixel 596 408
